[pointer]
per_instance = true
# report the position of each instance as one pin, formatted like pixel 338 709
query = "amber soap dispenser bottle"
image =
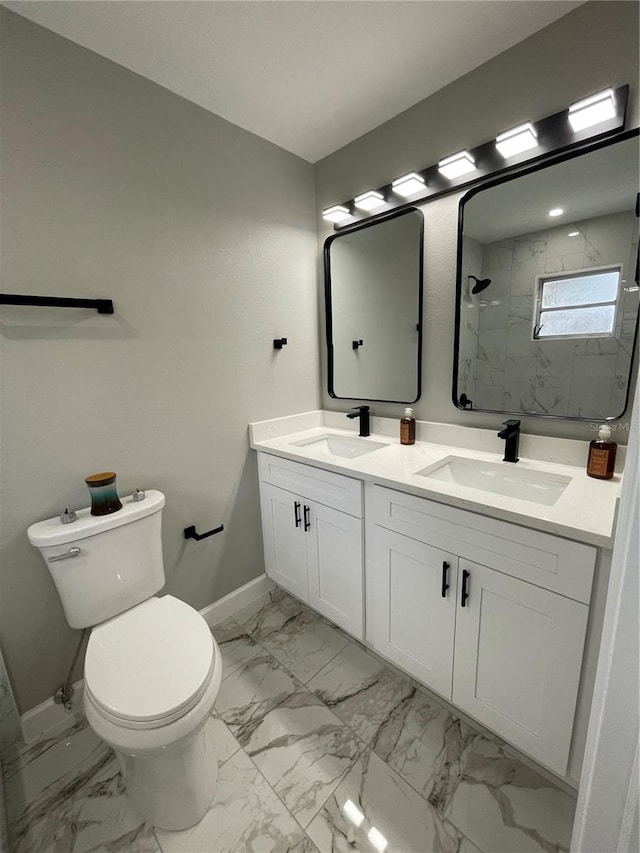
pixel 602 455
pixel 408 427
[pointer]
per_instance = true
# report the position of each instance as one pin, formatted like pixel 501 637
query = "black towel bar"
pixel 102 306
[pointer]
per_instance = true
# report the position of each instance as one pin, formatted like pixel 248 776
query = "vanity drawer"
pixel 325 487
pixel 548 561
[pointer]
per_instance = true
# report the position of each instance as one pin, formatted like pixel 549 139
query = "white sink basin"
pixel 500 478
pixel 345 446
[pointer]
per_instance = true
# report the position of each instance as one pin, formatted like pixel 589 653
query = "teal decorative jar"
pixel 104 497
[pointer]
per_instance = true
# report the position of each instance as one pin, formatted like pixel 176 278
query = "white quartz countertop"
pixel 586 510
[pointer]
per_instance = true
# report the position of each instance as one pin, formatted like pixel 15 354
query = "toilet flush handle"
pixel 72 552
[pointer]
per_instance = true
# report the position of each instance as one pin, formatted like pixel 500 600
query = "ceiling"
pixel 596 184
pixel 308 76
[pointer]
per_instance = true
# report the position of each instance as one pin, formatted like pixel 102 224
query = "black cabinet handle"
pixel 296 513
pixel 445 572
pixel 465 594
pixel 307 522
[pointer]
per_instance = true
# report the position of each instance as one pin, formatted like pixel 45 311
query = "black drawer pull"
pixel 296 513
pixel 445 572
pixel 465 594
pixel 307 522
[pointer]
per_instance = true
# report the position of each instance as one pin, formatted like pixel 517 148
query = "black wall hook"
pixel 278 343
pixel 190 532
pixel 356 344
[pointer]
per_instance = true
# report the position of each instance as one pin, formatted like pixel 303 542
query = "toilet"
pixel 152 667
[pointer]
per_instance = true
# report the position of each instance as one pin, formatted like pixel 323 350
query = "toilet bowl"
pixel 151 678
pixel 152 668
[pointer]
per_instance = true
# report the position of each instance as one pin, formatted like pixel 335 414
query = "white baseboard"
pixel 236 600
pixel 48 719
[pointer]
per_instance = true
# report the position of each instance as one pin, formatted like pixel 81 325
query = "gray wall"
pixel 204 235
pixel 594 46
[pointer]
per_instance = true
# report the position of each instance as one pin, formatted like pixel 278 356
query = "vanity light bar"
pixel 517 140
pixel 457 164
pixel 371 200
pixel 337 213
pixel 592 110
pixel 604 111
pixel 408 184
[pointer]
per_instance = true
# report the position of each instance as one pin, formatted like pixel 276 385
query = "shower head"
pixel 480 284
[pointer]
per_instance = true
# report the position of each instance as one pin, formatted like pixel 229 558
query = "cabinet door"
pixel 285 546
pixel 517 661
pixel 334 554
pixel 413 614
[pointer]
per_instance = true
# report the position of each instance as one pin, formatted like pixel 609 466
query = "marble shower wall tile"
pixel 296 636
pixel 245 816
pixel 505 807
pixel 551 390
pixel 375 809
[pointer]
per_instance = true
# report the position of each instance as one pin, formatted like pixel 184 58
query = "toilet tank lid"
pixel 53 532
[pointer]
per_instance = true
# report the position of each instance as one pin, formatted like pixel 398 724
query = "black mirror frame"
pixel 328 301
pixel 575 151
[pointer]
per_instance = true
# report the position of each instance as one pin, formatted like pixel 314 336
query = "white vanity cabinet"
pixel 490 615
pixel 312 530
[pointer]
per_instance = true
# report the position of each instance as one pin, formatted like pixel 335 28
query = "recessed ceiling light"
pixel 369 201
pixel 517 140
pixel 408 184
pixel 457 164
pixel 556 211
pixel 592 110
pixel 574 234
pixel 337 213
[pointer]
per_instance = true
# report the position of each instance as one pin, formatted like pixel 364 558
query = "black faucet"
pixel 361 412
pixel 511 434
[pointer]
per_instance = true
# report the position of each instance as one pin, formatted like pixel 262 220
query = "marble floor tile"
pixel 374 809
pixel 236 645
pixel 427 746
pixel 504 806
pixel 40 775
pixel 225 743
pixel 246 817
pixel 266 606
pixel 300 746
pixel 301 640
pixel 251 692
pixel 94 816
pixel 362 691
pixel 303 751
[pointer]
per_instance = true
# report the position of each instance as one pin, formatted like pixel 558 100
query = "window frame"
pixel 565 274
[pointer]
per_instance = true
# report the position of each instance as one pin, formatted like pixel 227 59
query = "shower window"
pixel 577 304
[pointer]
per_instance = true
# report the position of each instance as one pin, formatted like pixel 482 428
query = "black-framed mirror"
pixel 373 293
pixel 547 287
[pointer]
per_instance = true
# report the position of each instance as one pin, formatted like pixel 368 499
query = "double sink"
pixel 499 478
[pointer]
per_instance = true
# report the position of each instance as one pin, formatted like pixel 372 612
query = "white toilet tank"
pixel 109 562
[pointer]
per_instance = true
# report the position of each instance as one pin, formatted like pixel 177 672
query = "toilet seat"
pixel 150 665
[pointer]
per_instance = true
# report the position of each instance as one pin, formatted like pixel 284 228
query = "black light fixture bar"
pixel 102 306
pixel 554 133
